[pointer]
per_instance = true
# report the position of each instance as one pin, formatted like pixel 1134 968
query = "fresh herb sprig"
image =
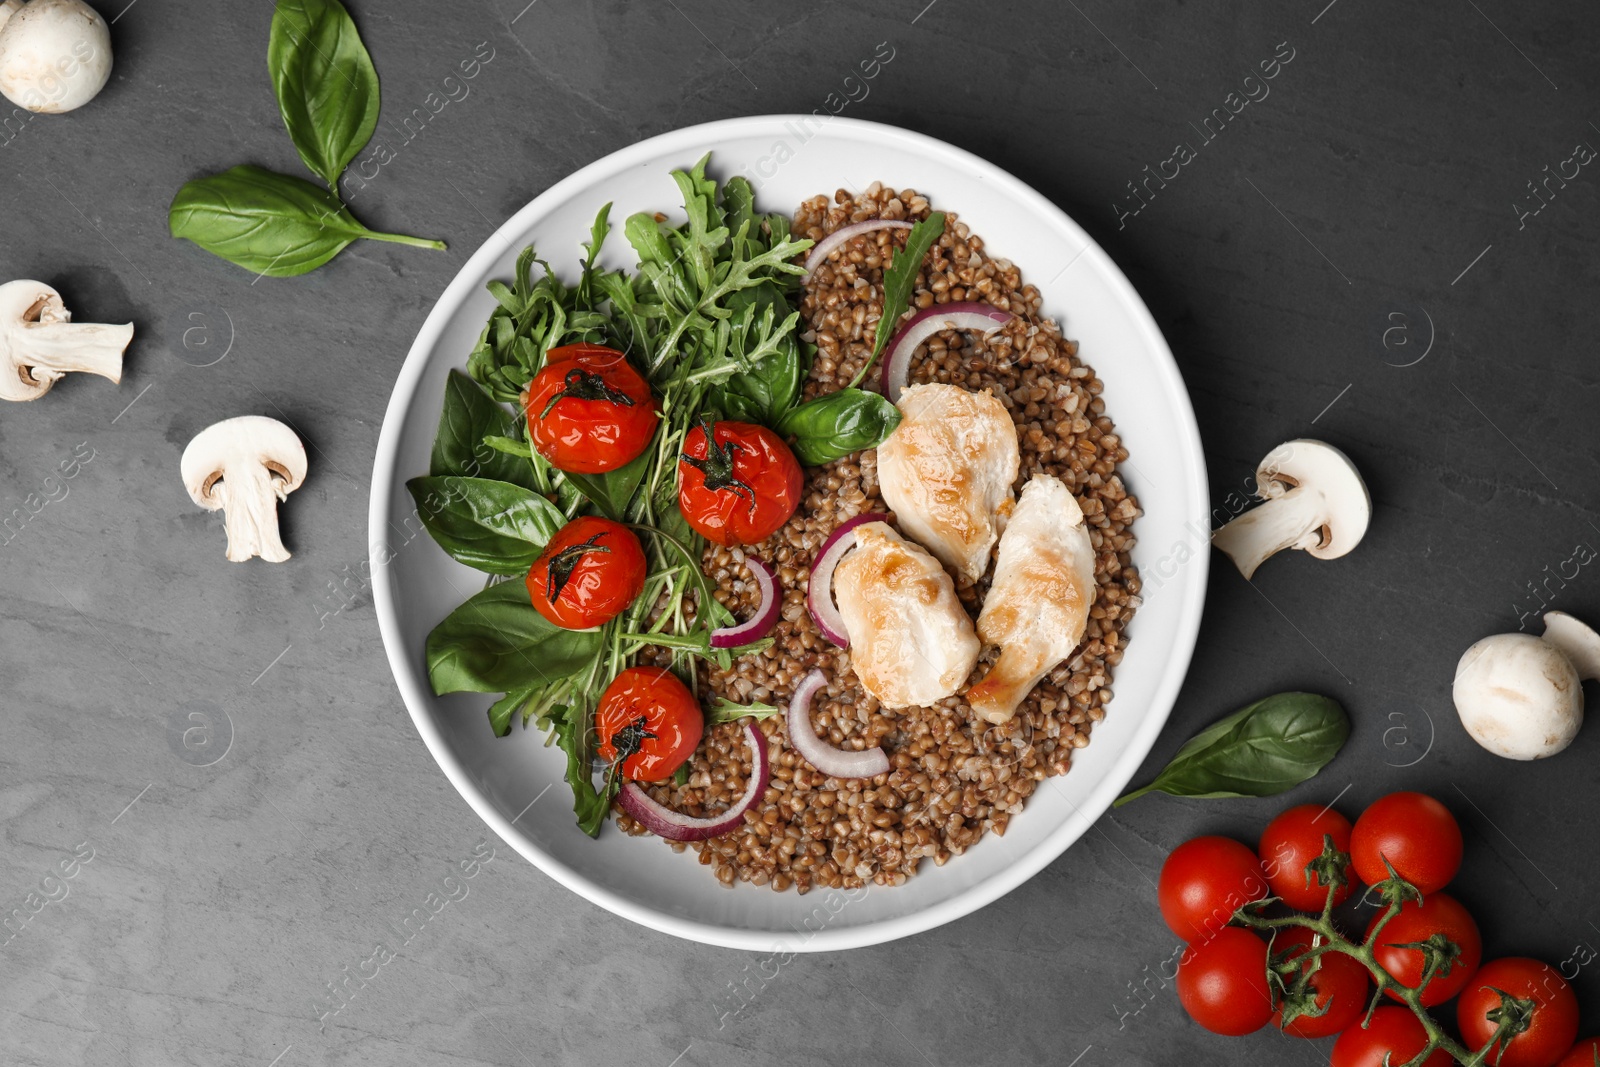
pixel 836 424
pixel 706 317
pixel 275 224
pixel 899 282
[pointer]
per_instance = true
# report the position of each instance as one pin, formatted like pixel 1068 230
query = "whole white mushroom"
pixel 55 55
pixel 1521 695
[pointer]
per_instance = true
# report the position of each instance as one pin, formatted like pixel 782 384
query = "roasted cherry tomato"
pixel 1585 1053
pixel 591 570
pixel 1392 1032
pixel 737 483
pixel 1203 882
pixel 1551 1028
pixel 1439 913
pixel 588 410
pixel 1290 842
pixel 649 721
pixel 1339 986
pixel 1222 984
pixel 1417 835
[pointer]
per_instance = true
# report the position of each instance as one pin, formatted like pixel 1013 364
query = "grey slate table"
pixel 1356 256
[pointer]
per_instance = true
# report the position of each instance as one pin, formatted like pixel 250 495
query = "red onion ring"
pixel 834 762
pixel 826 247
pixel 766 616
pixel 676 826
pixel 819 590
pixel 968 315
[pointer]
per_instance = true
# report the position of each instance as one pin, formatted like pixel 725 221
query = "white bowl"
pixel 789 158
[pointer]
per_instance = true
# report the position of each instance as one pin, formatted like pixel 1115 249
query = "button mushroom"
pixel 245 466
pixel 55 55
pixel 1315 500
pixel 1520 695
pixel 39 342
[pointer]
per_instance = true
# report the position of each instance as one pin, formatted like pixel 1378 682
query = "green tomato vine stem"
pixel 1329 870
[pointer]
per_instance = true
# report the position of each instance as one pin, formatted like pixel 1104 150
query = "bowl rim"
pixel 1023 867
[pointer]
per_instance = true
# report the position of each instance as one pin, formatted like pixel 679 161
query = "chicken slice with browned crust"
pixel 1038 604
pixel 947 472
pixel 911 641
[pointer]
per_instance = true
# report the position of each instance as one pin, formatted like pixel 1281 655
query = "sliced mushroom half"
pixel 39 342
pixel 1315 501
pixel 245 466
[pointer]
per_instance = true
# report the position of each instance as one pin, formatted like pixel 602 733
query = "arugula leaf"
pixel 497 642
pixel 837 424
pixel 899 281
pixel 589 804
pixel 777 370
pixel 469 425
pixel 725 710
pixel 1260 750
pixel 494 526
pixel 327 90
pixel 270 223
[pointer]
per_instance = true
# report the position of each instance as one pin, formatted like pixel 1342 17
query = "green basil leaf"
pixel 1259 751
pixel 494 526
pixel 269 223
pixel 471 417
pixel 497 642
pixel 327 90
pixel 838 424
pixel 612 491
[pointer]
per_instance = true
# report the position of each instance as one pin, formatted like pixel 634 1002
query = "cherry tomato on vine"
pixel 1222 983
pixel 649 722
pixel 1392 1032
pixel 737 483
pixel 1437 914
pixel 1418 836
pixel 588 410
pixel 1552 1025
pixel 1203 882
pixel 1585 1053
pixel 1339 985
pixel 1293 840
pixel 590 571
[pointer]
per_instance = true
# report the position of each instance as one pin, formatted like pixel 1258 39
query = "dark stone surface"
pixel 1379 178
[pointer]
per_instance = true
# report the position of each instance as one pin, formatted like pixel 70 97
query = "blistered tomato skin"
pixel 588 574
pixel 650 719
pixel 588 410
pixel 741 488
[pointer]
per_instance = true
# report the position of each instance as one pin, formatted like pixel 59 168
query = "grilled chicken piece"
pixel 947 472
pixel 1038 604
pixel 911 642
